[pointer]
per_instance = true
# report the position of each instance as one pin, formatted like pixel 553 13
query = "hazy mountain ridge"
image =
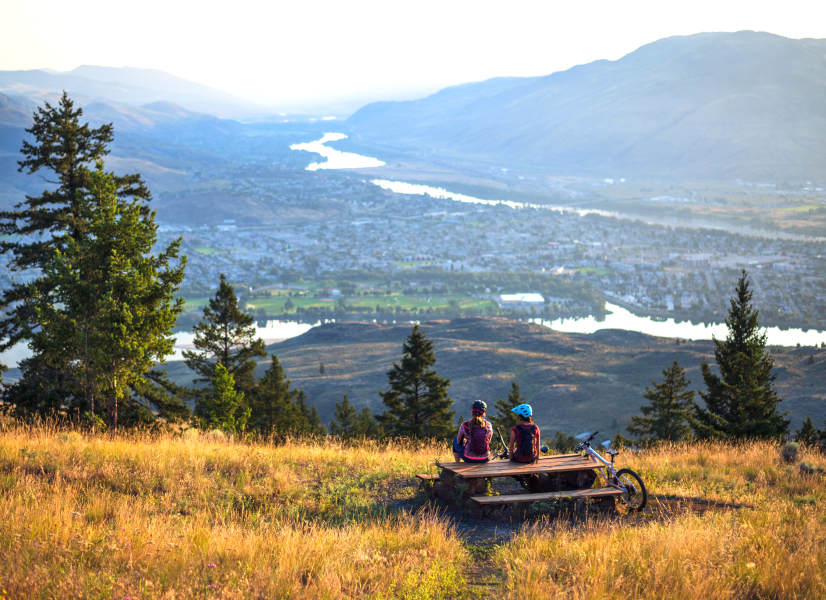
pixel 706 106
pixel 88 84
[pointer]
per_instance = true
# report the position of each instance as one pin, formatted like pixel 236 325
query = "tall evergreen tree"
pixel 41 225
pixel 417 402
pixel 670 412
pixel 741 401
pixel 112 308
pixel 225 335
pixel 221 406
pixel 504 418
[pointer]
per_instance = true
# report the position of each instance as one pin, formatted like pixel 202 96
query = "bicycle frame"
pixel 606 468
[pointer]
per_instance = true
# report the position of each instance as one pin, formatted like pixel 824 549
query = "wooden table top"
pixel 505 468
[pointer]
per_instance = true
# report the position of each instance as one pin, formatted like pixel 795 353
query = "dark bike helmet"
pixel 479 407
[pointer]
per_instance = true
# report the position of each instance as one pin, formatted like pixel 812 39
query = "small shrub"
pixel 789 452
pixel 810 469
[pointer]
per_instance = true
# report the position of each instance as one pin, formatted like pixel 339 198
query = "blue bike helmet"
pixel 523 410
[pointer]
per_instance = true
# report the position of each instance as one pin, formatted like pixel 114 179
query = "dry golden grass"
pixel 188 518
pixel 724 522
pixel 154 516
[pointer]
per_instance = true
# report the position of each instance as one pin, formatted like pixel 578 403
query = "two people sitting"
pixel 472 443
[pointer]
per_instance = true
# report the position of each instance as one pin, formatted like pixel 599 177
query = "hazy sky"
pixel 313 51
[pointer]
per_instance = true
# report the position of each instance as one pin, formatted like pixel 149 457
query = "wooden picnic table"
pixel 467 483
pixel 559 463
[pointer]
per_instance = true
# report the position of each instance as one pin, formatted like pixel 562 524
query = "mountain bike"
pixel 634 495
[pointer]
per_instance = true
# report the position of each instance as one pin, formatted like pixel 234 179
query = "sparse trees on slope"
pixel 504 418
pixel 225 335
pixel 417 402
pixel 741 401
pixel 670 412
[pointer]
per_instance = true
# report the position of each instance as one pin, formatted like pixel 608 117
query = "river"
pixel 618 317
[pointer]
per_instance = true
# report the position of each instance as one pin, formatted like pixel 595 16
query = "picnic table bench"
pixel 564 476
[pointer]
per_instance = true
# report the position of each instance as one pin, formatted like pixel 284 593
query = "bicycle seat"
pixel 612 452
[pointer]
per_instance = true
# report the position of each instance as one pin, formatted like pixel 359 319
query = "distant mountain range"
pixel 708 106
pixel 88 84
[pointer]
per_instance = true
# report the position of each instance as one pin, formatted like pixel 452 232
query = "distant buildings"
pixel 523 301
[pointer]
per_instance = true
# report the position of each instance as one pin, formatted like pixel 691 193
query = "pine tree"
pixel 272 410
pixel 309 421
pixel 225 335
pixel 740 402
pixel 670 412
pixel 156 392
pixel 42 225
pixel 505 418
pixel 112 308
pixel 366 425
pixel 807 434
pixel 344 421
pixel 417 402
pixel 349 424
pixel 221 406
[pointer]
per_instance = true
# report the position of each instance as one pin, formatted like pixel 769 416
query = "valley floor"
pixel 200 516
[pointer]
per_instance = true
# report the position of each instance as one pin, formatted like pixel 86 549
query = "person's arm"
pixel 512 444
pixel 460 437
pixel 490 435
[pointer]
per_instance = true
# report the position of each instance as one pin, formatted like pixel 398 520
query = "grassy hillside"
pixel 194 516
pixel 574 381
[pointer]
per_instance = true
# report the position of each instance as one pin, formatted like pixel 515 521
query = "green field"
pixel 275 303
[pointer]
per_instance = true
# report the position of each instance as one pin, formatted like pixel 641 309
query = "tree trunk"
pixel 113 413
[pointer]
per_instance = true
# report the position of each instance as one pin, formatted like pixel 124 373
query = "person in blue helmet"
pixel 472 443
pixel 524 441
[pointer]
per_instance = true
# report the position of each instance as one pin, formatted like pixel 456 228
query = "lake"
pixel 273 331
pixel 620 318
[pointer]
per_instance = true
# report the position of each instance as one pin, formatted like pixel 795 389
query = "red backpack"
pixel 527 443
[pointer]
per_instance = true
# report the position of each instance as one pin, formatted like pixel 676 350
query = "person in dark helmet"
pixel 472 444
pixel 524 442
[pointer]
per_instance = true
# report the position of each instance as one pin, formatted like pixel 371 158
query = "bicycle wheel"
pixel 635 495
